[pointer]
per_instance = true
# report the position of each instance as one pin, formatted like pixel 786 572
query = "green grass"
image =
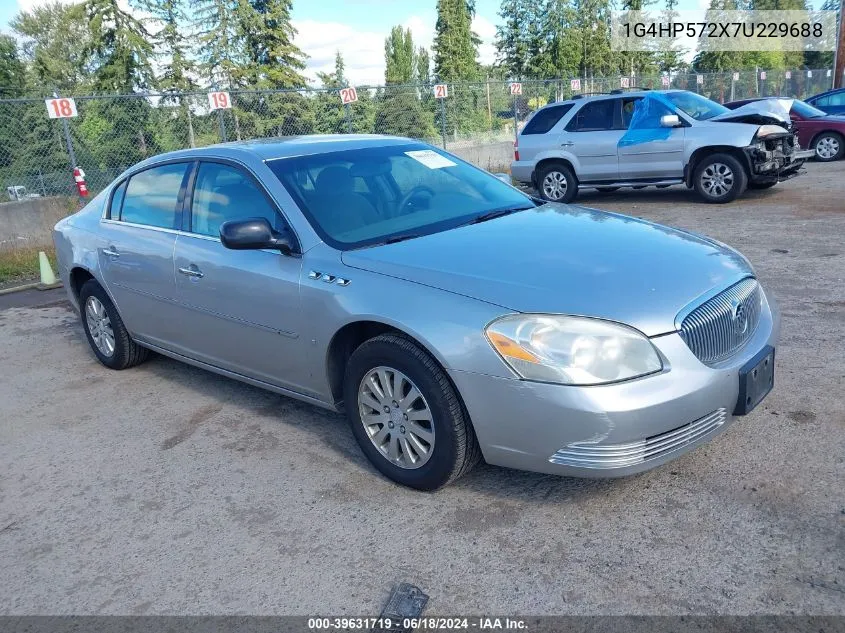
pixel 21 264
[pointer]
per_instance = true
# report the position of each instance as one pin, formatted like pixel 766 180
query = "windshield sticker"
pixel 430 158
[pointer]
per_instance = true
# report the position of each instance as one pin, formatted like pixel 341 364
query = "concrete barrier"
pixel 29 223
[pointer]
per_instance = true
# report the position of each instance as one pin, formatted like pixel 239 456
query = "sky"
pixel 357 28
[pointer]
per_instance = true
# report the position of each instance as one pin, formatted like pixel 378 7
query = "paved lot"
pixel 166 489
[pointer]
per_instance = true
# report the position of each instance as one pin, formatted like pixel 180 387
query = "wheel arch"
pixel 352 334
pixel 550 160
pixel 703 152
pixel 78 276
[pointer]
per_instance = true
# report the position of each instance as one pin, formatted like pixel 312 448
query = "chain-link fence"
pixel 475 120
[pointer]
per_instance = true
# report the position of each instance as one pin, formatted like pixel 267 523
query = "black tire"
pixel 607 189
pixel 455 450
pixel 127 353
pixel 566 176
pixel 831 140
pixel 738 181
pixel 762 185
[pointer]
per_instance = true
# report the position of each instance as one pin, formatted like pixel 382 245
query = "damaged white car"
pixel 656 138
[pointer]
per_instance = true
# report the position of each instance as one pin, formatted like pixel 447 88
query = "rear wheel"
pixel 406 415
pixel 719 178
pixel 829 146
pixel 557 183
pixel 108 337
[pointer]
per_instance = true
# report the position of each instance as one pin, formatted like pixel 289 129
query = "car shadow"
pixel 330 430
pixel 595 199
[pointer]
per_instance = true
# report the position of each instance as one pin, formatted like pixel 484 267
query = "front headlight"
pixel 572 350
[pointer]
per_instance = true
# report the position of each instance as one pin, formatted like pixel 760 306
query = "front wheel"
pixel 406 415
pixel 829 146
pixel 557 183
pixel 719 178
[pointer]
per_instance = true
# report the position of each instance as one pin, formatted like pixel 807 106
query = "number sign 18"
pixel 64 108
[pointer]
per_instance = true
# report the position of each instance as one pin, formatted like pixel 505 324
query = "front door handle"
pixel 191 272
pixel 111 252
pixel 567 144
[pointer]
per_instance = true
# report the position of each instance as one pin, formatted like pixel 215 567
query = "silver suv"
pixel 677 137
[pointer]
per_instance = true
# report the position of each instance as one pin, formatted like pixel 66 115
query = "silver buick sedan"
pixel 452 317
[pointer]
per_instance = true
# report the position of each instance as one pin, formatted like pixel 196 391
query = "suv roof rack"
pixel 620 91
pixel 588 94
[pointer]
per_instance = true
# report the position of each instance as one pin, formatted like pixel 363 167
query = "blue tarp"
pixel 645 122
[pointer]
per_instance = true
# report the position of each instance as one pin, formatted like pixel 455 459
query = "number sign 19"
pixel 64 108
pixel 219 101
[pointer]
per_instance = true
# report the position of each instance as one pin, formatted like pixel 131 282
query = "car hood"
pixel 566 259
pixel 763 112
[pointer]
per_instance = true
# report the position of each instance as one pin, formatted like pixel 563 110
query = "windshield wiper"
pixel 496 213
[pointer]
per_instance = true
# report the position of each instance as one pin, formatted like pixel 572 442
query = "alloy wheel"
pixel 396 417
pixel 554 185
pixel 717 179
pixel 827 147
pixel 99 326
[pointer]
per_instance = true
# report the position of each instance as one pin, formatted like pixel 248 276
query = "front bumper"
pixel 775 165
pixel 610 430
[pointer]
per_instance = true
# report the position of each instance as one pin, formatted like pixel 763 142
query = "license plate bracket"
pixel 756 379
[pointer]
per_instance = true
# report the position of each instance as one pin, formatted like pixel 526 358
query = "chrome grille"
pixel 587 455
pixel 714 330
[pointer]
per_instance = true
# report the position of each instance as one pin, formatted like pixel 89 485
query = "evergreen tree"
pixel 272 59
pixel 119 47
pixel 455 45
pixel 670 55
pixel 219 42
pixel 511 37
pixel 400 110
pixel 54 39
pixel 171 46
pixel 12 69
pixel 423 70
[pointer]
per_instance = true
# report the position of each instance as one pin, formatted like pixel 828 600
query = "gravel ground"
pixel 166 489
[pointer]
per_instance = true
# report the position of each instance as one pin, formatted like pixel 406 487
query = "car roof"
pixel 827 92
pixel 283 147
pixel 610 95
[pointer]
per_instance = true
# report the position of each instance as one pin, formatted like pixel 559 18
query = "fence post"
pixel 348 116
pixel 69 143
pixel 443 121
pixel 515 121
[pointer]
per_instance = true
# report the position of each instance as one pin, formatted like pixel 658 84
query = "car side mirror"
pixel 252 234
pixel 670 120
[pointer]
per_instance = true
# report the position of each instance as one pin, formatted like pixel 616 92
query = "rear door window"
pixel 153 197
pixel 594 116
pixel 117 200
pixel 546 119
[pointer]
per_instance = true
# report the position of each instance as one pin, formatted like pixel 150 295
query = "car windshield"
pixel 805 110
pixel 362 197
pixel 698 107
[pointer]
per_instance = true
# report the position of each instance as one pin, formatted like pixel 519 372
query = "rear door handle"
pixel 567 144
pixel 111 252
pixel 191 272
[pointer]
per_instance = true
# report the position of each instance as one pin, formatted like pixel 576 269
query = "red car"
pixel 825 133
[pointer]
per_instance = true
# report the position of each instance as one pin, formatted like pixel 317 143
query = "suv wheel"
pixel 557 183
pixel 406 415
pixel 719 178
pixel 829 146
